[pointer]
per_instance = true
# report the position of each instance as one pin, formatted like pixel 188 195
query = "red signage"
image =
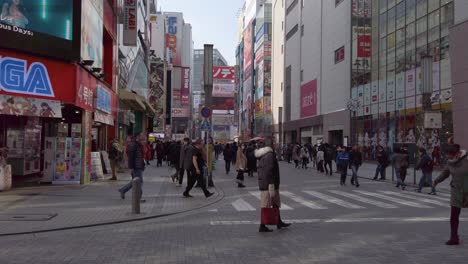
pixel 224 73
pixel 185 87
pixel 309 99
pixel 364 47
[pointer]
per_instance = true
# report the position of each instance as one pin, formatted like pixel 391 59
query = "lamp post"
pixel 353 105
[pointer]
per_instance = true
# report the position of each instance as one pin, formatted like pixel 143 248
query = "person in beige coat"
pixel 241 165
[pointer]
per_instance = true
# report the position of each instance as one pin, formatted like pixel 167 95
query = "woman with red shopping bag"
pixel 268 183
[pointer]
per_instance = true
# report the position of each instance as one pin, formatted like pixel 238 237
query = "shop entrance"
pixel 335 137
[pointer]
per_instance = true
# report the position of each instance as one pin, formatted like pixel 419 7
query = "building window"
pixel 292 32
pixel 291 7
pixel 302 30
pixel 339 55
pixel 337 2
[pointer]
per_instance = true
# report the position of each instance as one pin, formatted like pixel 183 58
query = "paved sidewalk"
pixel 49 207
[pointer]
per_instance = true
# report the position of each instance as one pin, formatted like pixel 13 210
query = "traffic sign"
pixel 205 126
pixel 205 112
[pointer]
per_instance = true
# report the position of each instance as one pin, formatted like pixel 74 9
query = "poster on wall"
pixel 410 102
pixel 92 31
pixel 39 27
pixel 410 83
pixel 436 76
pixel 374 92
pixel 391 87
pixel 382 90
pixel 400 85
pixel 419 84
pixel 248 46
pixel 28 106
pixel 308 102
pixel 367 94
pixel 400 104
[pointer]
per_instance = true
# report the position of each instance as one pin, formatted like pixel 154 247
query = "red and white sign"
pixel 223 73
pixel 130 16
pixel 309 99
pixel 180 112
pixel 364 47
pixel 185 87
pixel 223 89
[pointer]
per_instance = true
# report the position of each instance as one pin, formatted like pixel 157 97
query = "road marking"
pixel 346 220
pixel 334 200
pixel 425 200
pixel 444 194
pixel 436 197
pixel 241 205
pixel 365 200
pixel 302 201
pixel 213 210
pixel 395 200
pixel 283 205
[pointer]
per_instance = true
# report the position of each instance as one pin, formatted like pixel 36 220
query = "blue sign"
pixel 103 100
pixel 15 77
pixel 205 126
pixel 172 25
pixel 205 112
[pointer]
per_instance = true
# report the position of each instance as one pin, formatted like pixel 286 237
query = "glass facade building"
pixel 390 39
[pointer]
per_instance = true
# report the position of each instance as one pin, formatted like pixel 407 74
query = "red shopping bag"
pixel 270 216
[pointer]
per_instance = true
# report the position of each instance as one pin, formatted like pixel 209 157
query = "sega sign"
pixel 17 77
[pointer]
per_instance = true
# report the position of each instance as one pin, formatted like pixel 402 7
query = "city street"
pixel 375 223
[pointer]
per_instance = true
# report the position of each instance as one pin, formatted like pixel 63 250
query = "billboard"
pixel 92 31
pixel 41 27
pixel 223 73
pixel 362 42
pixel 185 86
pixel 248 46
pixel 223 89
pixel 157 97
pixel 221 132
pixel 173 39
pixel 223 81
pixel 222 103
pixel 309 99
pixel 130 23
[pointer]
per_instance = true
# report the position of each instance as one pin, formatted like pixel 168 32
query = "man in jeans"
pixel 426 165
pixel 197 170
pixel 135 163
pixel 185 160
pixel 382 158
pixel 355 163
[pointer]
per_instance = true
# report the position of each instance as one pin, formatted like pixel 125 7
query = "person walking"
pixel 197 166
pixel 457 167
pixel 227 157
pixel 426 165
pixel 313 156
pixel 135 163
pixel 241 166
pixel 160 153
pixel 400 162
pixel 382 160
pixel 234 149
pixel 251 160
pixel 342 163
pixel 114 157
pixel 304 157
pixel 185 160
pixel 329 156
pixel 355 161
pixel 269 181
pixel 173 159
pixel 147 150
pixel 320 159
pixel 296 154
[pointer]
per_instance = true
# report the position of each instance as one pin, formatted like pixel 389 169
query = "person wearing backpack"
pixel 426 165
pixel 400 162
pixel 342 163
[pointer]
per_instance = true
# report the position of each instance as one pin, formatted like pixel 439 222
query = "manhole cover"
pixel 26 217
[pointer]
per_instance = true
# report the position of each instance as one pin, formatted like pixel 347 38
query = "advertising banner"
pixel 410 83
pixel 361 8
pixel 267 77
pixel 173 37
pixel 185 87
pixel 218 119
pixel 309 99
pixel 248 46
pixel 223 89
pixel 92 32
pixel 39 27
pixel 157 97
pixel 364 46
pixel 221 132
pixel 374 92
pixel 130 23
pixel 221 103
pixel 223 73
pixel 180 112
pixel 23 106
pixel 391 88
pixel 362 42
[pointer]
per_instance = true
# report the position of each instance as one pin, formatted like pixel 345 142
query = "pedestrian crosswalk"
pixel 344 199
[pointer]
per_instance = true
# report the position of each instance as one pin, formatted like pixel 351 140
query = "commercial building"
pixel 58 102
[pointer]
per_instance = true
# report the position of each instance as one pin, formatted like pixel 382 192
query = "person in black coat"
pixel 135 163
pixel 354 164
pixel 251 159
pixel 227 153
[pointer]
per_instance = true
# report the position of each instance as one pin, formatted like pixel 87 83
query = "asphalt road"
pixel 375 223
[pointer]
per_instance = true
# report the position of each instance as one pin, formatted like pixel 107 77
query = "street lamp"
pixel 353 105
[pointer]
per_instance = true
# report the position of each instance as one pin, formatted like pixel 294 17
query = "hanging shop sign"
pixel 23 106
pixel 103 100
pixel 185 90
pixel 130 15
pixel 103 118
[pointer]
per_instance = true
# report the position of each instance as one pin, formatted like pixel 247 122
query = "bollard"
pixel 136 195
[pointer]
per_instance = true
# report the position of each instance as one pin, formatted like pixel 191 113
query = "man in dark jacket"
pixel 251 159
pixel 355 159
pixel 382 159
pixel 227 153
pixel 197 170
pixel 329 156
pixel 426 165
pixel 269 181
pixel 135 163
pixel 185 160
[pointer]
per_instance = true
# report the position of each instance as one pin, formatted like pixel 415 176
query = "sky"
pixel 213 22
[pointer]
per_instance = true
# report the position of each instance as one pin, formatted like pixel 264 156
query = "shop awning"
pixel 149 109
pixel 132 100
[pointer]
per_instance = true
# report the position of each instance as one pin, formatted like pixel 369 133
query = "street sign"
pixel 205 126
pixel 205 112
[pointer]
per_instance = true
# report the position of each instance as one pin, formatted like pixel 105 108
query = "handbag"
pixel 269 216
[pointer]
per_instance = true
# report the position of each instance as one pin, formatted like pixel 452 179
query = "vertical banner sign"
pixel 185 87
pixel 309 99
pixel 130 23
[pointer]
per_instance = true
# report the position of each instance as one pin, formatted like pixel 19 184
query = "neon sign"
pixel 15 77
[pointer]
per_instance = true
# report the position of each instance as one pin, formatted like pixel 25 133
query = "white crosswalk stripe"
pixel 395 200
pixel 241 205
pixel 420 199
pixel 365 200
pixel 302 201
pixel 333 200
pixel 283 205
pixel 436 197
pixel 444 194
